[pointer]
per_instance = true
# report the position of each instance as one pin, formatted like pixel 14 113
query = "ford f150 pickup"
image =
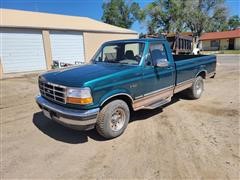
pixel 123 76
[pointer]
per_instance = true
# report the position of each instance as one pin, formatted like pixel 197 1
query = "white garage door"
pixel 21 50
pixel 67 46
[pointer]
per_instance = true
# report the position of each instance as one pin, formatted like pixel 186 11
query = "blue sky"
pixel 88 8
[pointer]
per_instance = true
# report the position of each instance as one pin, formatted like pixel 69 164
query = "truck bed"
pixel 188 66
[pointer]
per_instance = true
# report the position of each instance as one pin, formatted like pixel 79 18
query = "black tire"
pixel 113 119
pixel 197 88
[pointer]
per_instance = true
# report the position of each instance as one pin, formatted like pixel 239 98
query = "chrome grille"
pixel 52 91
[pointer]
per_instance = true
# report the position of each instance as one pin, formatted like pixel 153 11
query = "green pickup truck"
pixel 123 76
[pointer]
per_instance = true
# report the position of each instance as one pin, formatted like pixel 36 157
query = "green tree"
pixel 233 22
pixel 204 15
pixel 218 21
pixel 198 16
pixel 120 13
pixel 165 16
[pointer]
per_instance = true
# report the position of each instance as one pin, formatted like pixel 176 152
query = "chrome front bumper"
pixel 73 118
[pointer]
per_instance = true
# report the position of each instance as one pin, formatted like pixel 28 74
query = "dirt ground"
pixel 192 139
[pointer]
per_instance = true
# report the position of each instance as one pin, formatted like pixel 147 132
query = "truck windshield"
pixel 124 53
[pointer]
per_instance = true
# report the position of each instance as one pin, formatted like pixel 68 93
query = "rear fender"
pixel 202 72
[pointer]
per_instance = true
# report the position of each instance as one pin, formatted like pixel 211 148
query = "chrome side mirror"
pixel 161 63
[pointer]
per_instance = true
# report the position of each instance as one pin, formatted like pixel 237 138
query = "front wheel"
pixel 113 119
pixel 196 90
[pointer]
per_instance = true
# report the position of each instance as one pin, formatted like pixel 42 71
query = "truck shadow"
pixel 61 133
pixel 66 135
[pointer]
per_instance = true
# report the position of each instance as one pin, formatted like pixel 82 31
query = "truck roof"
pixel 138 40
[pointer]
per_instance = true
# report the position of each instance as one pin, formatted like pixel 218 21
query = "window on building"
pixel 215 43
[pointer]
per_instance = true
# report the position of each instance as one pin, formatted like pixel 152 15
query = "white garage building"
pixel 31 41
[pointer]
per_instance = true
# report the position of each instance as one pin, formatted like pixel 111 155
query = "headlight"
pixel 79 96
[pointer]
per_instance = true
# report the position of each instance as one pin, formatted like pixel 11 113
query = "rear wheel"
pixel 196 90
pixel 113 119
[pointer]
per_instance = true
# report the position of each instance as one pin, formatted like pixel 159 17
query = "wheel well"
pixel 202 74
pixel 125 98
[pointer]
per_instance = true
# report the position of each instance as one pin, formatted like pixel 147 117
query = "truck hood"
pixel 77 76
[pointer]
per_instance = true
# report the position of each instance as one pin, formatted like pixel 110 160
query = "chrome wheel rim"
pixel 199 87
pixel 117 120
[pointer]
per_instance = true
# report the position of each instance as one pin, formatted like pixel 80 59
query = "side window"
pixel 148 60
pixel 158 52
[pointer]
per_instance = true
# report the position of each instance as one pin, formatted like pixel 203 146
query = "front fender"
pixel 114 93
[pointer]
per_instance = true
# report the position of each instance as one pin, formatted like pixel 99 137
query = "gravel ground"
pixel 186 139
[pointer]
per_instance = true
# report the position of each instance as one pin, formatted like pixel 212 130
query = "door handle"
pixel 169 67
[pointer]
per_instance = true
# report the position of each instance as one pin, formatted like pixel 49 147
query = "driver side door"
pixel 158 72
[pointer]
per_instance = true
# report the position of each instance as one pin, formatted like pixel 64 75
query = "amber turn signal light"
pixel 83 101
